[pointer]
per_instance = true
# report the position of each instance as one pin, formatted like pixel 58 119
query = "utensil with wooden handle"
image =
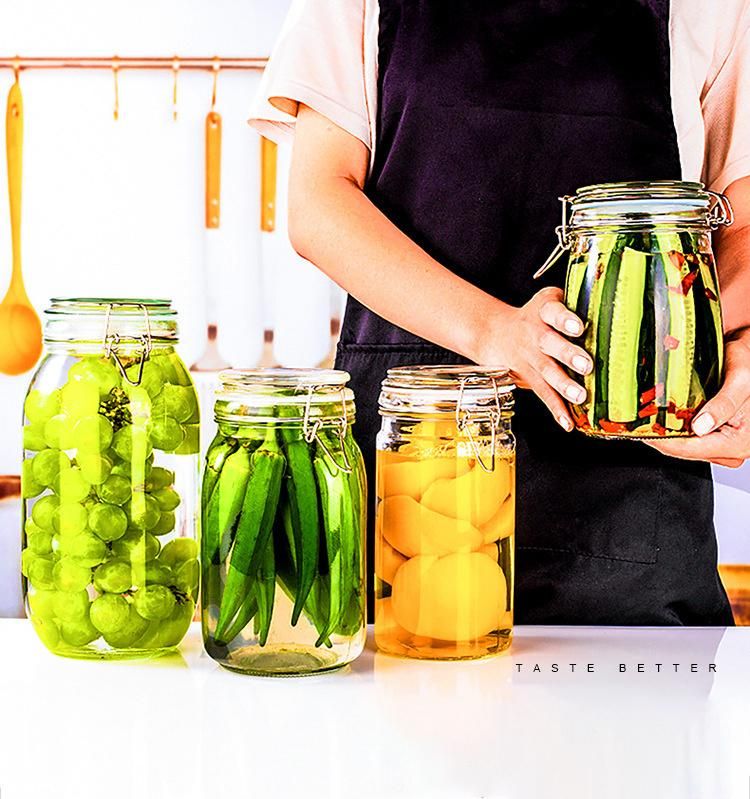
pixel 20 328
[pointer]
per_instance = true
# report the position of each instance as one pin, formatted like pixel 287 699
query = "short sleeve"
pixel 319 61
pixel 726 112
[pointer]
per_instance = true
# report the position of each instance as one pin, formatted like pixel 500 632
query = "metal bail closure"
pixel 112 340
pixel 465 418
pixel 721 212
pixel 564 242
pixel 310 429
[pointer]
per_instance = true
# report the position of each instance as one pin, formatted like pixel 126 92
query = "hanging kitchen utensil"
pixel 211 360
pixel 213 160
pixel 206 367
pixel 20 329
pixel 268 169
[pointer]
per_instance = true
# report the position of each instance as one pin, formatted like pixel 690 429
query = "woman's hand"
pixel 531 341
pixel 722 427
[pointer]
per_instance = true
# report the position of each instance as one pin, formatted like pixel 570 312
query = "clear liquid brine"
pixel 443 548
pixel 650 304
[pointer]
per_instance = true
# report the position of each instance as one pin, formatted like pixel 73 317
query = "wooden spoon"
pixel 20 329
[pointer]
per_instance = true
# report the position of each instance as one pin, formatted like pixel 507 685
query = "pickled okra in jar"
pixel 110 564
pixel 445 515
pixel 284 503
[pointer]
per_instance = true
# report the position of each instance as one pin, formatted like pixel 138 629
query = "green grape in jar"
pixel 70 519
pixel 165 524
pixel 71 575
pixel 159 478
pixel 154 602
pixel 152 378
pixel 39 541
pixel 79 632
pixel 166 434
pixel 143 511
pixel 30 487
pixel 48 465
pixel 80 399
pixel 115 490
pixel 41 603
pixel 136 546
pixel 73 486
pixel 44 511
pixel 167 498
pixel 95 468
pixel 39 407
pixel 109 522
pixel 109 613
pixel 71 605
pixel 93 434
pixel 58 432
pixel 179 402
pixel 40 572
pixel 33 437
pixel 88 548
pixel 113 577
pixel 191 441
pixel 178 551
pixel 174 629
pixel 99 371
pixel 127 635
pixel 187 576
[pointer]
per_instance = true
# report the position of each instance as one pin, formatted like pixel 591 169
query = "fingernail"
pixel 575 394
pixel 703 424
pixel 565 423
pixel 573 326
pixel 581 364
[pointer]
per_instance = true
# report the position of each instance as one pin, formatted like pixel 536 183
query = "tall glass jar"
pixel 642 277
pixel 445 517
pixel 284 517
pixel 109 480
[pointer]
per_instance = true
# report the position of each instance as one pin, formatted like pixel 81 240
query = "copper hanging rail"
pixel 208 64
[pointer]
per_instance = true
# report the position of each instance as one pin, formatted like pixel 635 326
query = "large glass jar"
pixel 109 480
pixel 642 278
pixel 445 517
pixel 284 512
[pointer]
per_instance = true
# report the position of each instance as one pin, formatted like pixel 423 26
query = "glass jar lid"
pixel 474 391
pixel 292 396
pixel 632 204
pixel 635 205
pixel 102 320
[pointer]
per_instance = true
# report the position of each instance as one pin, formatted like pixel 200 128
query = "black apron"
pixel 488 112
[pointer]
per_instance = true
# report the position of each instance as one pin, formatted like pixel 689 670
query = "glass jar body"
pixel 284 519
pixel 444 537
pixel 109 479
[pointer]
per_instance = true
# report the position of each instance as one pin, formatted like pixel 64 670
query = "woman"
pixel 432 142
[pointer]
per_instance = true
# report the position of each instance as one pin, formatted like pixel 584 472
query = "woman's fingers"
pixel 552 400
pixel 558 379
pixel 556 315
pixel 559 348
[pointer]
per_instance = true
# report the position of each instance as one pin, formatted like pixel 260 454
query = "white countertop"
pixel 181 727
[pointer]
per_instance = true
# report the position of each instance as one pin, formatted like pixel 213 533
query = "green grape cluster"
pixel 99 507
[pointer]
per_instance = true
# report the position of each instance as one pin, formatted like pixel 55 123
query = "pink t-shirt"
pixel 326 58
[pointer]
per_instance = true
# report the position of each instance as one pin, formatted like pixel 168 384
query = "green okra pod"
pixel 265 592
pixel 225 505
pixel 333 490
pixel 302 496
pixel 254 527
